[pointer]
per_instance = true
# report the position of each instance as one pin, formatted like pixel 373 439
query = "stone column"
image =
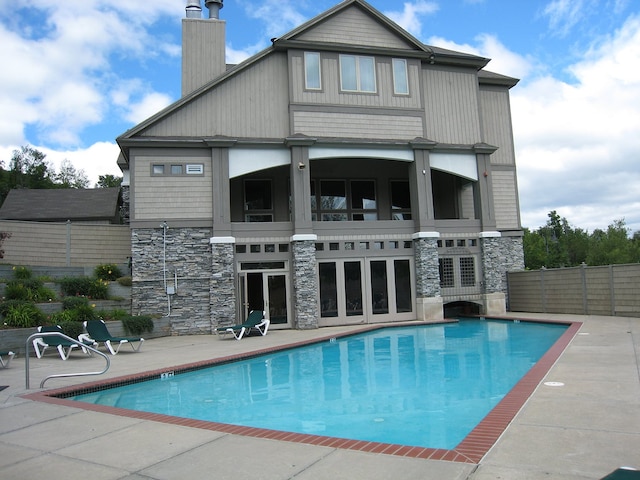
pixel 222 290
pixel 305 282
pixel 428 299
pixel 499 255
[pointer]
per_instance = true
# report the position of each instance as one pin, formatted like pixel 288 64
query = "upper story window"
pixel 312 73
pixel 341 200
pixel 258 204
pixel 357 74
pixel 400 77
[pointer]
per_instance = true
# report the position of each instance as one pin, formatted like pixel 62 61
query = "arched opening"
pixel 461 309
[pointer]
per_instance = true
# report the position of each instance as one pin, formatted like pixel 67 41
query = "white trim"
pixel 222 240
pixel 248 160
pixel 418 235
pixel 490 234
pixel 316 153
pixel 302 237
pixel 462 164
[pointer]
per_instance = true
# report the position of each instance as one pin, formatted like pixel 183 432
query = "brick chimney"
pixel 203 45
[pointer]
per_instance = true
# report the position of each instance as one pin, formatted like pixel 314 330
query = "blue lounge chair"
pixel 255 321
pixel 98 332
pixel 64 346
pixel 8 355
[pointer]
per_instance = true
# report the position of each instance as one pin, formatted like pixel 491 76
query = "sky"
pixel 79 73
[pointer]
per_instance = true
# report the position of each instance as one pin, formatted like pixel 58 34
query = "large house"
pixel 346 174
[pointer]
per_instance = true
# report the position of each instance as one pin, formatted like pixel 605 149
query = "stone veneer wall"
pixel 305 285
pixel 427 267
pixel 499 256
pixel 222 292
pixel 188 254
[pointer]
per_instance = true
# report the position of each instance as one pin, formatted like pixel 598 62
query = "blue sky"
pixel 78 73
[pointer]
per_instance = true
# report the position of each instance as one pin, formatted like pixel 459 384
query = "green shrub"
pixel 125 281
pixel 7 304
pixel 107 271
pixel 137 324
pixel 22 273
pixel 115 314
pixel 32 290
pixel 71 328
pixel 69 303
pixel 23 315
pixel 85 287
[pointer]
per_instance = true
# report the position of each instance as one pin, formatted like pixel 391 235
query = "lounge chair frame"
pixel 256 320
pixel 8 355
pixel 64 347
pixel 97 332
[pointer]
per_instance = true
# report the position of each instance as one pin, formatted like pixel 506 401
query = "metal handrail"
pixel 60 375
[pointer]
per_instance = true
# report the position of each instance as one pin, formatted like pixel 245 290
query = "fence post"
pixel 68 243
pixel 585 300
pixel 612 291
pixel 543 290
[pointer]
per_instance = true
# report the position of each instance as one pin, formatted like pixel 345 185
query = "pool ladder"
pixel 60 375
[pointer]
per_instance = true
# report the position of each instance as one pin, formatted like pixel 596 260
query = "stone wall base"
pixel 429 309
pixel 495 304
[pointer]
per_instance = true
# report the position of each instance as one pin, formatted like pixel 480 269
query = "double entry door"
pixel 366 290
pixel 265 290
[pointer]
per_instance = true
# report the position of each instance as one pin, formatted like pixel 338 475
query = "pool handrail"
pixel 60 375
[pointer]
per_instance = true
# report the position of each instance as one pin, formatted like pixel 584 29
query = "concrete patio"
pixel 583 429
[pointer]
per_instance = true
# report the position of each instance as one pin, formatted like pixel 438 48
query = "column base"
pixel 495 304
pixel 429 309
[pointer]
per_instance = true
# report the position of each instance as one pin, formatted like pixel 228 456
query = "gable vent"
pixel 195 169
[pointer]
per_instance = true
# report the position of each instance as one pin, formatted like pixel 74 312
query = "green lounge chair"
pixel 255 321
pixel 64 346
pixel 623 473
pixel 8 355
pixel 97 331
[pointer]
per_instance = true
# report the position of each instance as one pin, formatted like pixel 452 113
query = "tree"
pixel 612 246
pixel 30 170
pixel 69 177
pixel 108 181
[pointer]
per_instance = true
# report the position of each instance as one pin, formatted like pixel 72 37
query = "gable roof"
pixel 292 39
pixel 60 205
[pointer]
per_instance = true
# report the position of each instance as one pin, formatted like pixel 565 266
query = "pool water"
pixel 425 386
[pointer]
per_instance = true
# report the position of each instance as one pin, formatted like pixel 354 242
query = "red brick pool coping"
pixel 470 450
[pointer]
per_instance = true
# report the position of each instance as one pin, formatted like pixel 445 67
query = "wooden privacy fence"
pixel 607 290
pixel 65 244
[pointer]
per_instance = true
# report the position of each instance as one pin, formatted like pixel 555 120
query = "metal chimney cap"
pixel 214 7
pixel 194 10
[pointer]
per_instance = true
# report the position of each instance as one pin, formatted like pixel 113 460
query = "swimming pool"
pixel 425 386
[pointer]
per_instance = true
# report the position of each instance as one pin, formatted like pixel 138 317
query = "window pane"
pixel 348 77
pixel 379 292
pixel 367 74
pixel 158 169
pixel 312 70
pixel 363 194
pixel 333 195
pixel 353 288
pixel 402 275
pixel 257 194
pixel 467 272
pixel 176 169
pixel 328 290
pixel 446 272
pixel 400 80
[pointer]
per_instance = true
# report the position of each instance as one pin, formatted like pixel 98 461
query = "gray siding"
pixel 355 27
pixel 451 104
pixel 505 198
pixel 496 120
pixel 253 103
pixel 357 125
pixel 184 197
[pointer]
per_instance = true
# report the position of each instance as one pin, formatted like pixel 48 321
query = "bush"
pixel 7 304
pixel 71 328
pixel 69 303
pixel 23 315
pixel 107 271
pixel 85 287
pixel 115 314
pixel 22 273
pixel 137 325
pixel 31 290
pixel 125 281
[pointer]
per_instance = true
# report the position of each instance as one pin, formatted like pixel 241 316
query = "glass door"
pixel 267 291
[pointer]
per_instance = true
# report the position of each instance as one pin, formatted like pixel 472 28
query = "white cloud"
pixel 410 16
pixel 577 144
pixel 57 73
